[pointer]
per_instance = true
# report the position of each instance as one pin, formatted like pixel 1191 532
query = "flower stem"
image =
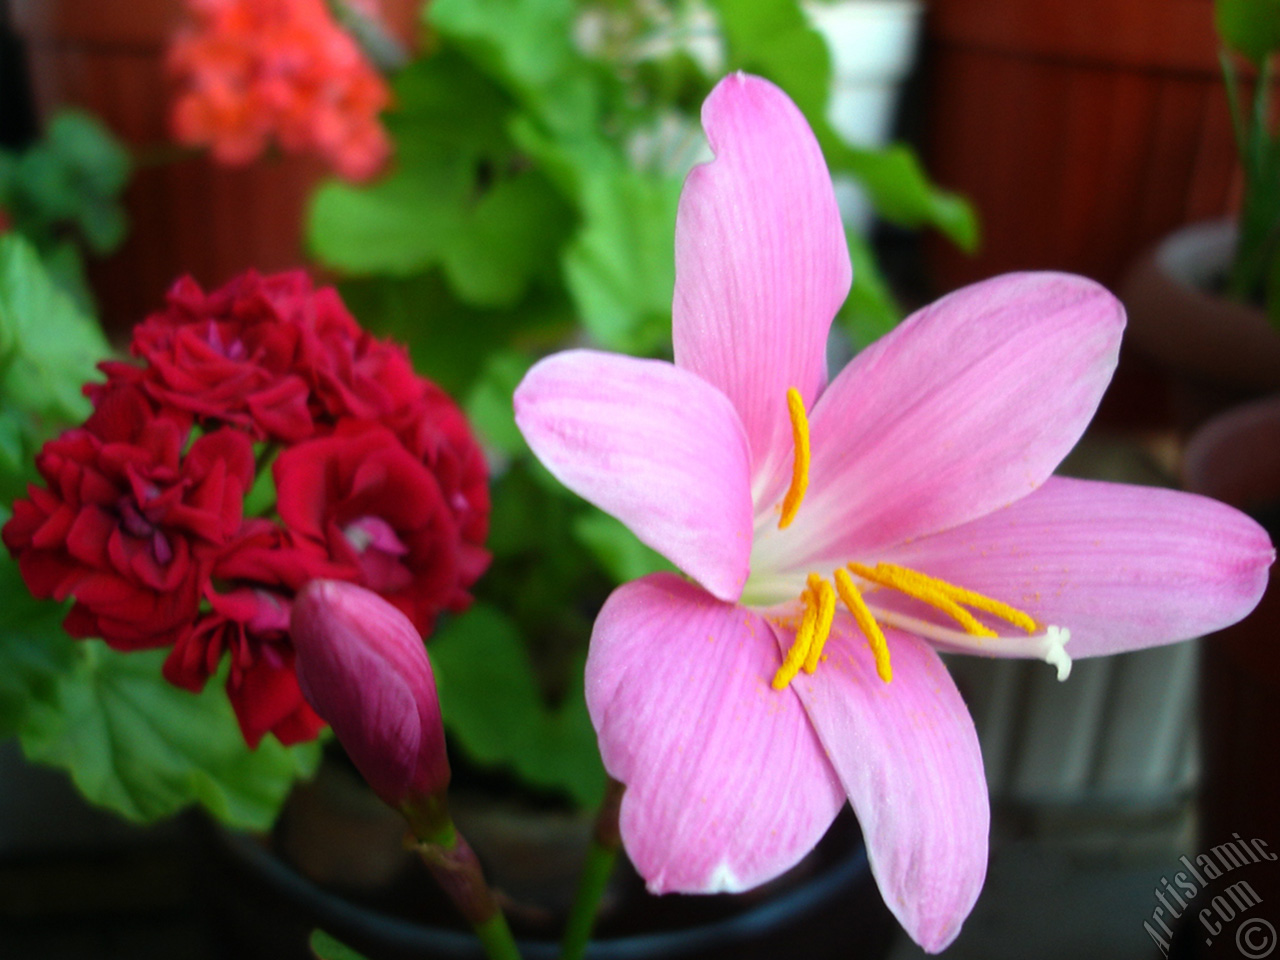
pixel 601 857
pixel 456 868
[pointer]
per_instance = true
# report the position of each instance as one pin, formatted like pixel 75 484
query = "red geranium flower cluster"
pixel 158 516
pixel 251 70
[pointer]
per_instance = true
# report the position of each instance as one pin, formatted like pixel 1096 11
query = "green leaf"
pixel 620 268
pixel 480 663
pixel 73 176
pixel 489 406
pixel 448 340
pixel 34 649
pixel 145 749
pixel 509 236
pixel 100 162
pixel 870 311
pixel 48 347
pixel 527 47
pixel 399 225
pixel 902 194
pixel 326 947
pixel 616 548
pixel 427 99
pixel 1251 27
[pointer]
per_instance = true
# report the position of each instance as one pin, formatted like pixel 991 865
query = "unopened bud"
pixel 364 668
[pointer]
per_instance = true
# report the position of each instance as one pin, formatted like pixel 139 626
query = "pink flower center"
pixel 818 598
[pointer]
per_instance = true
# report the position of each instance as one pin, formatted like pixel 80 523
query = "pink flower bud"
pixel 364 669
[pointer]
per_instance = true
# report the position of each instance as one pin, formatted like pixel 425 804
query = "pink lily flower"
pixel 836 535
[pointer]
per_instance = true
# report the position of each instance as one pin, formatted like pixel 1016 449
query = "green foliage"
pixel 1252 28
pixel 34 651
pixel 621 266
pixel 489 406
pixel 65 190
pixel 326 947
pixel 48 348
pixel 145 749
pixel 616 548
pixel 495 712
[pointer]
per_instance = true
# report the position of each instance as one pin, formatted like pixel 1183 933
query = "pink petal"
pixel 908 757
pixel 967 406
pixel 655 446
pixel 727 786
pixel 1122 567
pixel 761 261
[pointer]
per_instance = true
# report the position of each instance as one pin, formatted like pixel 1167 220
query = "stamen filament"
pixel 980 602
pixel 826 615
pixel 800 466
pixel 923 588
pixel 866 623
pixel 800 648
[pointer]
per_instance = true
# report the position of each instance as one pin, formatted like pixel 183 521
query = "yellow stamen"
pixel 866 623
pixel 800 466
pixel 945 597
pixel 800 648
pixel 826 615
pixel 978 601
pixel 922 588
pixel 818 600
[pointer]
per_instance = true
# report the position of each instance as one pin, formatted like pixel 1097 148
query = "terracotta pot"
pixel 1215 352
pixel 1236 458
pixel 1082 130
pixel 187 214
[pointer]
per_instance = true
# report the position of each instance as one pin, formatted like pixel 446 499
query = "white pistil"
pixel 1049 646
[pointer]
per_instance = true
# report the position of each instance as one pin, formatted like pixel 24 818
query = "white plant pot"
pixel 873 48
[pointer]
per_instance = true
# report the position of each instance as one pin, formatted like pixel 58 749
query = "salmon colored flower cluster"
pixel 264 441
pixel 250 71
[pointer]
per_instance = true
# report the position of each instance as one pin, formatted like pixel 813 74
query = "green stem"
pixel 496 938
pixel 601 857
pixel 456 869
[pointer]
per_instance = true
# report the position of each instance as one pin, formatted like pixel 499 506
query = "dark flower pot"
pixel 378 899
pixel 1214 353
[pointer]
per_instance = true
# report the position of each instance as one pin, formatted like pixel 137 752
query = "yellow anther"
pixel 800 648
pixel 924 589
pixel 826 615
pixel 866 623
pixel 945 597
pixel 979 601
pixel 800 466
